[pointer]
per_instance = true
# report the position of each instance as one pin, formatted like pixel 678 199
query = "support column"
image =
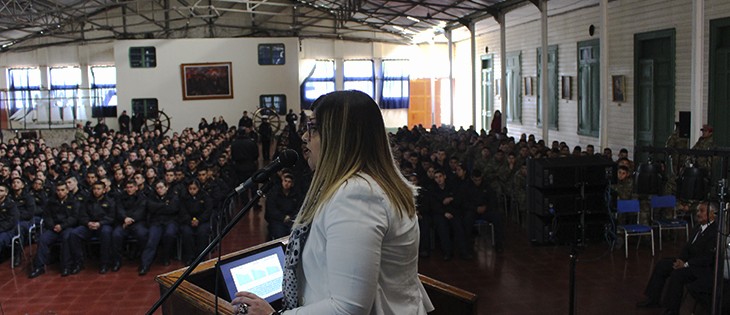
pixel 451 77
pixel 698 44
pixel 503 66
pixel 544 71
pixel 604 77
pixel 474 81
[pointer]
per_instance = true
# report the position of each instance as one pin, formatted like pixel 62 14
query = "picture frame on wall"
pixel 529 89
pixel 566 87
pixel 202 81
pixel 618 84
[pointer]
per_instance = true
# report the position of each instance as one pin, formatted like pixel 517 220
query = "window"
pixel 25 88
pixel 552 81
pixel 589 86
pixel 360 75
pixel 65 84
pixel 396 84
pixel 272 54
pixel 275 101
pixel 514 87
pixel 142 57
pixel 321 80
pixel 145 106
pixel 103 86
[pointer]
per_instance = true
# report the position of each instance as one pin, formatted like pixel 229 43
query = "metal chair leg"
pixel 652 242
pixel 660 238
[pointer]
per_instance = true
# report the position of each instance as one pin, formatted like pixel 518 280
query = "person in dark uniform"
pixel 8 220
pixel 216 188
pixel 163 211
pixel 446 217
pixel 124 121
pixel 265 136
pixel 132 212
pixel 245 121
pixel 696 259
pixel 425 216
pixel 487 209
pixel 96 219
pixel 40 197
pixel 244 154
pixel 74 192
pixel 59 220
pixel 25 203
pixel 195 213
pixel 137 122
pixel 282 206
pixel 100 128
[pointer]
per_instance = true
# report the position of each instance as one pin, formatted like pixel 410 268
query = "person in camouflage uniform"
pixel 483 160
pixel 676 141
pixel 624 190
pixel 497 172
pixel 625 186
pixel 519 193
pixel 705 142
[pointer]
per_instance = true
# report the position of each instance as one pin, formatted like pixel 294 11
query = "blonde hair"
pixel 353 139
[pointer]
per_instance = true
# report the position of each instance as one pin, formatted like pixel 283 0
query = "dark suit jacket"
pixel 700 254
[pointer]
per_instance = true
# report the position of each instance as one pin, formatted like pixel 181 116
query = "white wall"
pixel 250 80
pixel 565 29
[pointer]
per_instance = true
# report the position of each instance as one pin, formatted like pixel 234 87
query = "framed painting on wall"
pixel 567 87
pixel 619 88
pixel 529 89
pixel 201 81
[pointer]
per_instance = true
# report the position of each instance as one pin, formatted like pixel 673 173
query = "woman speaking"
pixel 354 245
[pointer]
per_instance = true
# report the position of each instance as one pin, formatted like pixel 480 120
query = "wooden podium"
pixel 195 295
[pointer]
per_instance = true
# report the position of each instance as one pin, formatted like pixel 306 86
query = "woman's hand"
pixel 256 305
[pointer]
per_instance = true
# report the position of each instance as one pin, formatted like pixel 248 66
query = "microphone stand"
pixel 720 251
pixel 259 193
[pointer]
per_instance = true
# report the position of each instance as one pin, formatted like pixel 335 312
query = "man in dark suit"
pixel 696 259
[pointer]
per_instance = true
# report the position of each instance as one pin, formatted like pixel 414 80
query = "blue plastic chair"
pixel 674 223
pixel 632 207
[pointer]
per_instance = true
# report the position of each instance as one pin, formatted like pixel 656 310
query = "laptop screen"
pixel 261 273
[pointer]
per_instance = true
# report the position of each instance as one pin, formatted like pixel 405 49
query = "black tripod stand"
pixel 259 193
pixel 721 248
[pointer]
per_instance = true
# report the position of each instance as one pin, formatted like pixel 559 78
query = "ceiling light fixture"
pixel 413 19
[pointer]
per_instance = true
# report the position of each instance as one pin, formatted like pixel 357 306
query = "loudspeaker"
pixel 547 203
pixel 648 180
pixel 566 230
pixel 569 172
pixel 684 124
pixel 692 184
pixel 566 201
pixel 541 232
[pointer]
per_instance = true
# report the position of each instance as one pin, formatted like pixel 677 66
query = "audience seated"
pixel 149 189
pixel 692 268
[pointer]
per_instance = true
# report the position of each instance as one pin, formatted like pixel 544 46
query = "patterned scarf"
pixel 297 239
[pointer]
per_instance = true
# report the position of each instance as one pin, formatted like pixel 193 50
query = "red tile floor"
pixel 522 280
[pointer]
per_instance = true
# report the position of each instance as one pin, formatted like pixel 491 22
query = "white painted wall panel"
pixel 249 79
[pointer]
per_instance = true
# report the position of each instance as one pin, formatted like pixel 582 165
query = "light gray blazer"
pixel 361 257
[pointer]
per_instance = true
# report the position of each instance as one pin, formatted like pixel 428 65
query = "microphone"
pixel 286 158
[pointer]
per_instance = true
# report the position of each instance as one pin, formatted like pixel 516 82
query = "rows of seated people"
pixel 467 177
pixel 148 188
pixel 115 188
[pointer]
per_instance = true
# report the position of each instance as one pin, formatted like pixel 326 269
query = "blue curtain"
pixel 321 77
pixel 395 85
